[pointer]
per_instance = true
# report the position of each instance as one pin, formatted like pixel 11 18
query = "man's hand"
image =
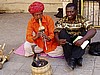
pixel 62 41
pixel 37 35
pixel 79 42
pixel 46 37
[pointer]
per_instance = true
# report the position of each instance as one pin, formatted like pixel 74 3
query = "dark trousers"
pixel 71 51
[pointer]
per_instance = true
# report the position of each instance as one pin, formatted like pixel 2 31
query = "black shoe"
pixel 72 63
pixel 79 61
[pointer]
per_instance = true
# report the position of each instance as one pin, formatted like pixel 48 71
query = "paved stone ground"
pixel 12 32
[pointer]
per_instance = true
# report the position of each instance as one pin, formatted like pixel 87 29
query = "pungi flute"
pixel 42 29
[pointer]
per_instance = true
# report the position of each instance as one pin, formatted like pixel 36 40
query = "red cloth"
pixel 36 7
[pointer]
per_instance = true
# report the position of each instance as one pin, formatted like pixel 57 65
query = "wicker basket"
pixel 45 70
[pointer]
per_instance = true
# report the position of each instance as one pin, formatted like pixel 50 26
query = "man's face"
pixel 71 13
pixel 37 15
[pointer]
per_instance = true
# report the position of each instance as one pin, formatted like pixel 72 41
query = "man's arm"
pixel 90 33
pixel 57 38
pixel 60 41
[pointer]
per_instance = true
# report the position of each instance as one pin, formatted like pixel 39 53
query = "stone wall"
pixel 11 6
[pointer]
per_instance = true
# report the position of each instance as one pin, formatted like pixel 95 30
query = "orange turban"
pixel 36 7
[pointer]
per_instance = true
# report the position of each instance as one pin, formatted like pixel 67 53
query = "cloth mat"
pixel 20 50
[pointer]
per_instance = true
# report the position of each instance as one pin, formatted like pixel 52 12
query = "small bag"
pixel 94 49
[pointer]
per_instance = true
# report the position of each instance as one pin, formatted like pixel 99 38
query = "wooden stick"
pixel 3 46
pixel 4 59
pixel 8 56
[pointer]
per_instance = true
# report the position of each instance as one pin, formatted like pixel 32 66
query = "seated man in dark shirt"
pixel 67 29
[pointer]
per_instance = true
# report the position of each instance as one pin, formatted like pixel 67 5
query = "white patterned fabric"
pixel 57 52
pixel 28 50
